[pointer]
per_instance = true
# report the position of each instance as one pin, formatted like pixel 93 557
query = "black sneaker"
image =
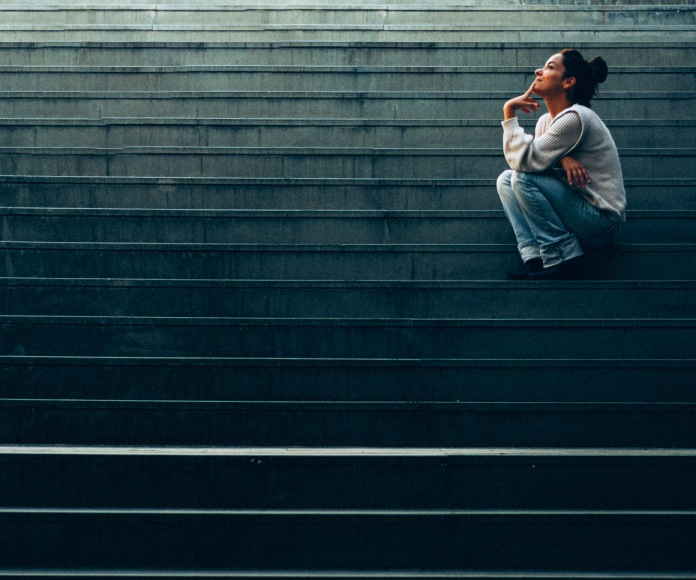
pixel 533 265
pixel 573 269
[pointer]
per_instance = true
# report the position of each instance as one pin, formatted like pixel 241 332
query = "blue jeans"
pixel 551 221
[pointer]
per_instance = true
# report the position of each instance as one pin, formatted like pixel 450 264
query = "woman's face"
pixel 549 79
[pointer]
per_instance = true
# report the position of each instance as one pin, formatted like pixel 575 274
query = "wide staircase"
pixel 255 321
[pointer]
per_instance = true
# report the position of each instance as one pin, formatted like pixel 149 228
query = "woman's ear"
pixel 569 83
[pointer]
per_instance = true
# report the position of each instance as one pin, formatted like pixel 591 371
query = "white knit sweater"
pixel 579 132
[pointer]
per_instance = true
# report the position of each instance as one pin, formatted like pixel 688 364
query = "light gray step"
pixel 322 227
pixel 335 262
pixel 391 4
pixel 522 54
pixel 344 424
pixel 387 299
pixel 44 4
pixel 352 575
pixel 319 162
pixel 564 34
pixel 318 337
pixel 356 478
pixel 406 133
pixel 382 540
pixel 297 194
pixel 312 104
pixel 332 16
pixel 569 380
pixel 320 78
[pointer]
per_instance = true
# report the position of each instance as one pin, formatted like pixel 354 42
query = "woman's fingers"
pixel 578 176
pixel 524 103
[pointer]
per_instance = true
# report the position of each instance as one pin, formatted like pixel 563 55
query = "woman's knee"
pixel 519 181
pixel 504 185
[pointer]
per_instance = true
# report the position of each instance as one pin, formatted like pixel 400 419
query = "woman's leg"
pixel 560 219
pixel 526 241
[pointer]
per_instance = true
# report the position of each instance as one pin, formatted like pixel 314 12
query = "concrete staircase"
pixel 254 316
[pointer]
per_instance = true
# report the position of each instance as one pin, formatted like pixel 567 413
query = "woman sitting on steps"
pixel 564 189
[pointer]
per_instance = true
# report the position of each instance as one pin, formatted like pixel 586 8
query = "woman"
pixel 564 189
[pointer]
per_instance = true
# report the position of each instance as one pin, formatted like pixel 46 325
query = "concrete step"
pixel 336 16
pixel 335 22
pixel 651 194
pixel 319 78
pixel 349 479
pixel 385 54
pixel 314 104
pixel 351 575
pixel 138 378
pixel 319 337
pixel 287 540
pixel 388 299
pixel 334 262
pixel 343 424
pixel 563 34
pixel 385 4
pixel 325 227
pixel 145 4
pixel 405 133
pixel 305 162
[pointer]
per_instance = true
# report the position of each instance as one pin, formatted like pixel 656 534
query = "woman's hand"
pixel 524 102
pixel 575 172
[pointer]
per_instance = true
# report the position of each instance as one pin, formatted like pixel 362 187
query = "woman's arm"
pixel 524 102
pixel 523 152
pixel 575 172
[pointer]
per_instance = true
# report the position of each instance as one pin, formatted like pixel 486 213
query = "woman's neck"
pixel 557 105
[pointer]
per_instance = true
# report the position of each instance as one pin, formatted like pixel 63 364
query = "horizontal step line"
pixel 348 69
pixel 336 7
pixel 295 44
pixel 378 95
pixel 97 451
pixel 309 214
pixel 590 407
pixel 351 574
pixel 624 363
pixel 298 181
pixel 590 27
pixel 682 514
pixel 464 285
pixel 354 248
pixel 313 151
pixel 304 122
pixel 351 322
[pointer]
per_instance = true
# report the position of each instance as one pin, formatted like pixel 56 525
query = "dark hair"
pixel 588 74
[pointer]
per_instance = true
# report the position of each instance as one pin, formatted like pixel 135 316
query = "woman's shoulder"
pixel 544 121
pixel 583 112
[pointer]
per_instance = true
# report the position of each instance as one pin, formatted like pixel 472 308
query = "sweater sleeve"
pixel 526 153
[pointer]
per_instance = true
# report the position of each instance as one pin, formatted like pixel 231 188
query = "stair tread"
pixel 254 361
pixel 339 322
pixel 463 285
pixel 255 247
pixel 405 574
pixel 407 453
pixel 347 181
pixel 116 212
pixel 299 513
pixel 589 407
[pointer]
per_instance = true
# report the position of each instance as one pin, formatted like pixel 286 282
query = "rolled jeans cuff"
pixel 562 250
pixel 529 252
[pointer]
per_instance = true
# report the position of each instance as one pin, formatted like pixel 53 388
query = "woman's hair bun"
pixel 599 68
